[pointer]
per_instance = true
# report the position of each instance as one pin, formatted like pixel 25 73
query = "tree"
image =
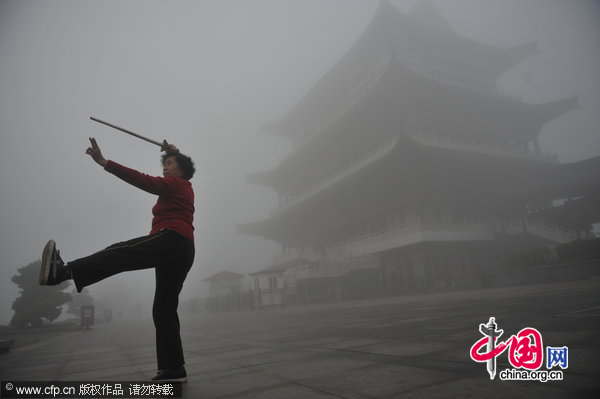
pixel 36 302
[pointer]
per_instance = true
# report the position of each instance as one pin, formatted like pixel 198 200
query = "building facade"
pixel 410 170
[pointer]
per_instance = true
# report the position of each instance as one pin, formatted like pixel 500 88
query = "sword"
pixel 492 333
pixel 139 136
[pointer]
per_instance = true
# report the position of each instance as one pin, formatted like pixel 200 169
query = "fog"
pixel 206 75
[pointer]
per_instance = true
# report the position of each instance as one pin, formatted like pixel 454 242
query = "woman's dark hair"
pixel 184 162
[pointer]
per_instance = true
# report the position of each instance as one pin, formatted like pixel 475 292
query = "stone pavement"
pixel 411 347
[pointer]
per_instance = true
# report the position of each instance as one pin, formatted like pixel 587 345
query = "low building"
pixel 226 292
pixel 269 287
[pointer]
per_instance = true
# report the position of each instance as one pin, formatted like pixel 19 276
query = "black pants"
pixel 171 255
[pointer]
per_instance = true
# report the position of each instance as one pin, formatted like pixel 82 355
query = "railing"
pixel 340 174
pixel 448 76
pixel 424 139
pixel 453 143
pixel 296 254
pixel 328 268
pixel 417 231
pixel 462 229
pixel 336 269
pixel 350 254
pixel 405 234
pixel 550 232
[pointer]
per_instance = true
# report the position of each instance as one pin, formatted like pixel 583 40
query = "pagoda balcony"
pixel 550 232
pixel 308 256
pixel 457 230
pixel 295 254
pixel 354 253
pixel 331 269
pixel 453 143
pixel 429 140
pixel 416 232
pixel 339 175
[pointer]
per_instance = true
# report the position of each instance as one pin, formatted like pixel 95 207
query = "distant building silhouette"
pixel 410 170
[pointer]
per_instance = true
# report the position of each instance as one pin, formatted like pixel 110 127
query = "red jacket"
pixel 174 208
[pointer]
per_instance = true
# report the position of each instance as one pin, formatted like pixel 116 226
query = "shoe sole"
pixel 46 262
pixel 184 379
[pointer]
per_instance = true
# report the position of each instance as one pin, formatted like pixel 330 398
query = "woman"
pixel 169 249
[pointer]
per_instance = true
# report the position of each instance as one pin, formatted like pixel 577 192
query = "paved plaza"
pixel 410 347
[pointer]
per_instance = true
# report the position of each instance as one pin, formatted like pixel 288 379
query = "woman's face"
pixel 171 168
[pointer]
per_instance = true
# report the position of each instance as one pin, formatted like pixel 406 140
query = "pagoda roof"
pixel 579 211
pixel 568 180
pixel 423 36
pixel 224 275
pixel 425 13
pixel 471 173
pixel 512 119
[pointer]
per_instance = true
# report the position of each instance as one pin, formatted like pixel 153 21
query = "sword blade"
pixel 139 136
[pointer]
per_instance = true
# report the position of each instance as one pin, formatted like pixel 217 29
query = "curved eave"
pixel 269 228
pixel 568 180
pixel 519 121
pixel 582 210
pixel 389 32
pixel 544 113
pixel 477 58
pixel 259 228
pixel 435 163
pixel 332 87
pixel 272 127
pixel 520 53
pixel 298 158
pixel 501 60
pixel 263 178
pixel 425 13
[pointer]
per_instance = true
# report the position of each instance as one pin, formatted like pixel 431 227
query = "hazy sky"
pixel 205 75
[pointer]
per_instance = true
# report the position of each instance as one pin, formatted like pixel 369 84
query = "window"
pixel 272 282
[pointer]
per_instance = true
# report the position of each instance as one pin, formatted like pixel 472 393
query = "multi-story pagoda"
pixel 406 164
